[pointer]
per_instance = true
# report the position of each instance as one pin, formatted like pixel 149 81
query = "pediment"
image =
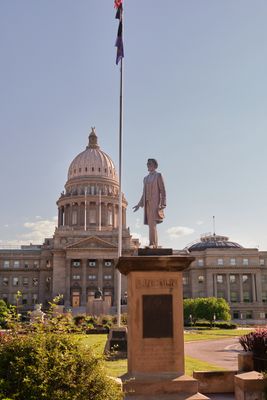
pixel 92 242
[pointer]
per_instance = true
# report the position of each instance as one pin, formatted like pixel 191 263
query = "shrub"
pixel 255 341
pixel 206 325
pixel 4 311
pixel 225 325
pixel 79 319
pixel 51 366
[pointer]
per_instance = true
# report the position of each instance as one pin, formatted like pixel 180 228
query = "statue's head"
pixel 152 162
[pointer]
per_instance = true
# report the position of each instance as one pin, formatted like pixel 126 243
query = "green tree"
pixel 4 313
pixel 208 308
pixel 190 311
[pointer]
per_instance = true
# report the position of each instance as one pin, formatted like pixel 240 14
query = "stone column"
pixel 123 217
pixel 258 286
pixel 67 279
pixel 113 215
pixel 228 296
pixel 241 288
pixel 215 284
pixel 253 282
pixel 100 273
pixel 84 281
pixel 65 214
pixel 59 216
pixel 81 215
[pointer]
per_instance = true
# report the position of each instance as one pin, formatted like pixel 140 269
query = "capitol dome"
pixel 92 162
pixel 212 242
pixel 90 201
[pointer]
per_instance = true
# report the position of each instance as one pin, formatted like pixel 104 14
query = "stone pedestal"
pixel 250 386
pixel 98 306
pixel 155 328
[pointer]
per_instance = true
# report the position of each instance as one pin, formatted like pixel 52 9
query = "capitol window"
pixel 108 263
pixel 6 264
pixel 107 277
pixel 109 217
pixel 92 277
pixel 36 264
pixel 25 281
pixel 264 297
pixel 92 216
pixel 200 262
pixel 74 217
pixel 220 261
pixel 76 263
pixel 15 281
pixel 232 261
pixel 5 281
pixel 16 264
pixel 24 299
pixel 232 278
pixel 35 281
pixel 244 278
pixel 245 261
pixel 219 279
pixel 234 297
pixel 76 277
pixel 262 261
pixel 185 280
pixel 247 296
pixel 201 279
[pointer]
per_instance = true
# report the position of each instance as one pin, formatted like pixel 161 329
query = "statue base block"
pixel 160 387
pixel 116 345
pixel 155 329
pixel 155 252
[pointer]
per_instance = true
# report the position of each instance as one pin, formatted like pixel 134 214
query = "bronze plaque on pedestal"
pixel 157 316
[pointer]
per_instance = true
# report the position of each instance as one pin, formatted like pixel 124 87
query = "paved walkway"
pixel 222 353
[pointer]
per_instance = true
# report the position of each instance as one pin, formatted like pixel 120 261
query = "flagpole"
pixel 120 194
pixel 120 186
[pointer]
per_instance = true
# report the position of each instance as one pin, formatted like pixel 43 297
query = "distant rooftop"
pixel 20 247
pixel 212 241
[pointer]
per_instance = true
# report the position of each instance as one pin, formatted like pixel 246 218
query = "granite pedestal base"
pixel 155 329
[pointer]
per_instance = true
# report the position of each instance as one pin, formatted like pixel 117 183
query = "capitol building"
pixel 82 254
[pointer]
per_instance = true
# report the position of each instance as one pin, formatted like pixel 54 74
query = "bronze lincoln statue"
pixel 153 200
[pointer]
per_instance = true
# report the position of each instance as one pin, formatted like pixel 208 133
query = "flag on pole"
pixel 119 40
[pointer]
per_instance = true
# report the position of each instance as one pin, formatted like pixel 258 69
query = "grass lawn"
pixel 213 334
pixel 119 367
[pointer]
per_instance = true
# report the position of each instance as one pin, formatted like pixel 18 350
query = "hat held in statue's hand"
pixel 161 213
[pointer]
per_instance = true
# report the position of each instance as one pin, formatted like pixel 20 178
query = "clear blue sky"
pixel 195 99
